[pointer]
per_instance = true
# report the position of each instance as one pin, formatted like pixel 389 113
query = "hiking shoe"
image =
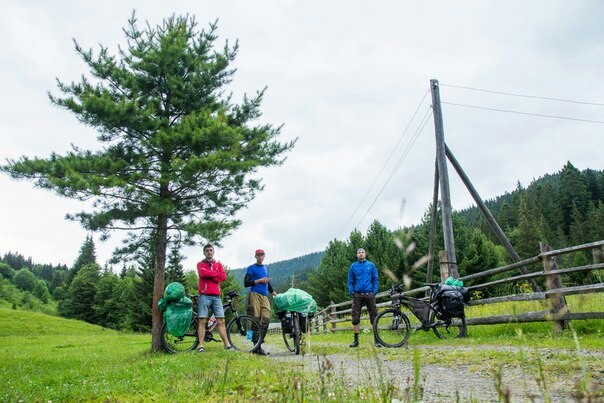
pixel 354 344
pixel 261 352
pixel 200 350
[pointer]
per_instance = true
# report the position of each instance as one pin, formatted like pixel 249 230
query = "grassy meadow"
pixel 46 358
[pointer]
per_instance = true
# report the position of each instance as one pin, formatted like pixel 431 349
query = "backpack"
pixel 452 303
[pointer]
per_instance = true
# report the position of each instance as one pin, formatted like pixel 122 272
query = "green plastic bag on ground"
pixel 174 291
pixel 295 300
pixel 455 282
pixel 178 316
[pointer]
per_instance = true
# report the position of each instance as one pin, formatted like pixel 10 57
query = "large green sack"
pixel 178 316
pixel 295 300
pixel 174 291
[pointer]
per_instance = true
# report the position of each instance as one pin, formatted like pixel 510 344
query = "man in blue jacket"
pixel 362 285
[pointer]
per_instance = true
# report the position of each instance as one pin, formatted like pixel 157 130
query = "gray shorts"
pixel 207 302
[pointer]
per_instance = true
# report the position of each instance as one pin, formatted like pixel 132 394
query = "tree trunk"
pixel 158 283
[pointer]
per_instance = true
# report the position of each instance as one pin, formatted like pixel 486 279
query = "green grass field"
pixel 46 358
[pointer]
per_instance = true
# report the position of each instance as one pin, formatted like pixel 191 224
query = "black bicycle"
pixel 392 326
pixel 293 326
pixel 243 331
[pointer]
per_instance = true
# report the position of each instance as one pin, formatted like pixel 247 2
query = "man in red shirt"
pixel 211 274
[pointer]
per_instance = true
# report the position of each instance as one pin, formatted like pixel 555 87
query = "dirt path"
pixel 450 381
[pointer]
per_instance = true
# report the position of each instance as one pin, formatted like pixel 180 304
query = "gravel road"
pixel 455 381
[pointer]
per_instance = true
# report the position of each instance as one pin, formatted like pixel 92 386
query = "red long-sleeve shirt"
pixel 211 274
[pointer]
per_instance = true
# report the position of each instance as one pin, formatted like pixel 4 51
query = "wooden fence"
pixel 558 313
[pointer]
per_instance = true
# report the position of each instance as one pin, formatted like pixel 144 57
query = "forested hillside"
pixel 562 209
pixel 289 272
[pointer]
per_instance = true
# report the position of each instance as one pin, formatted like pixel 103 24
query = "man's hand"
pixel 263 280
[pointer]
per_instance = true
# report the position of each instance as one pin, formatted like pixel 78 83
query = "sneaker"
pixel 378 345
pixel 230 348
pixel 200 350
pixel 354 344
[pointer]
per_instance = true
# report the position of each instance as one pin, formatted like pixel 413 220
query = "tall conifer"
pixel 176 157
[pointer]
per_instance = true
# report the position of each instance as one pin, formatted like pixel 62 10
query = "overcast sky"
pixel 345 78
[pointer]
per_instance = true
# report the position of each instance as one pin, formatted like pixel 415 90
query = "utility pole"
pixel 445 195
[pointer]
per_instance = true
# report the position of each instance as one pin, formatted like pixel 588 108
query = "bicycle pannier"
pixel 286 321
pixel 452 303
pixel 303 323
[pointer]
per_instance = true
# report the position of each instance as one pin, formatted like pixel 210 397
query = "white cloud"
pixel 345 78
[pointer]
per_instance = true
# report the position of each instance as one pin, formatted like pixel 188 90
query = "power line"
pixel 523 95
pixel 523 113
pixel 386 163
pixel 398 164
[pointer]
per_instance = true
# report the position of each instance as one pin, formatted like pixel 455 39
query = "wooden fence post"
pixel 598 254
pixel 557 301
pixel 444 265
pixel 333 317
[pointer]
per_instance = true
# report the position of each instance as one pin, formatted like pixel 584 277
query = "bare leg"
pixel 201 330
pixel 222 332
pixel 357 328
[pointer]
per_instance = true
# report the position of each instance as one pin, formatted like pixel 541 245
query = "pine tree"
pixel 174 270
pixel 177 156
pixel 87 256
pixel 81 294
pixel 572 191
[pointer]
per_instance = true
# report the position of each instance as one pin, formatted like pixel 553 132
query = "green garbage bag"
pixel 174 291
pixel 295 300
pixel 178 316
pixel 455 282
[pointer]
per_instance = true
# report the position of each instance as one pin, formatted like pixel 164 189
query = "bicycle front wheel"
pixel 447 328
pixel 179 344
pixel 244 333
pixel 391 328
pixel 297 334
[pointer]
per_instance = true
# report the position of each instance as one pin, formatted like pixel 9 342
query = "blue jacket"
pixel 363 277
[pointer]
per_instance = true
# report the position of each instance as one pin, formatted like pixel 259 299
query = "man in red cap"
pixel 258 304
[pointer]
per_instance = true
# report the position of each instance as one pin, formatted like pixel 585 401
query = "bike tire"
pixel 237 333
pixel 391 328
pixel 297 334
pixel 289 341
pixel 174 344
pixel 447 328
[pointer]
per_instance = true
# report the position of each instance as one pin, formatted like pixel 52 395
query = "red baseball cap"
pixel 259 251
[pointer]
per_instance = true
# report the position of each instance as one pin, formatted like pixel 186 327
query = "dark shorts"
pixel 360 299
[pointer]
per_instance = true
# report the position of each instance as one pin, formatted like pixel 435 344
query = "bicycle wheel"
pixel 447 328
pixel 289 341
pixel 243 332
pixel 391 328
pixel 296 333
pixel 187 342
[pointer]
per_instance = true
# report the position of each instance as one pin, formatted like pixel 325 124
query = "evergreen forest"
pixel 562 209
